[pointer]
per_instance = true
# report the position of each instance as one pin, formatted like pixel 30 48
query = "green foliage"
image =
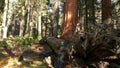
pixel 17 42
pixel 26 41
pixel 3 43
pixel 1 5
pixel 1 55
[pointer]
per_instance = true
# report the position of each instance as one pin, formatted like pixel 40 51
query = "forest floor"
pixel 7 61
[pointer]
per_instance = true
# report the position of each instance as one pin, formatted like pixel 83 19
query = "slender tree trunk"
pixel 86 16
pixel 56 18
pixel 9 18
pixel 107 13
pixel 4 24
pixel 26 19
pixel 28 22
pixel 22 22
pixel 71 19
pixel 93 11
pixel 21 27
pixel 90 14
pixel 39 24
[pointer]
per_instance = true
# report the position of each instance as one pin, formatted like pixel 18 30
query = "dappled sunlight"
pixel 12 63
pixel 8 62
pixel 59 34
pixel 71 20
pixel 9 56
pixel 69 15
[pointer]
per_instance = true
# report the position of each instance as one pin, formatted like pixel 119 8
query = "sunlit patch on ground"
pixel 8 62
pixel 18 47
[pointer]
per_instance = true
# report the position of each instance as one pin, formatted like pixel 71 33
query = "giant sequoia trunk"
pixel 107 13
pixel 71 19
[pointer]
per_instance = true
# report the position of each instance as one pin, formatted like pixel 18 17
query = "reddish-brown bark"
pixel 107 13
pixel 106 9
pixel 70 20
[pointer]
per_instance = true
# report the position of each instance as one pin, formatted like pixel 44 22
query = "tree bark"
pixel 107 13
pixel 21 27
pixel 5 20
pixel 70 20
pixel 22 22
pixel 39 24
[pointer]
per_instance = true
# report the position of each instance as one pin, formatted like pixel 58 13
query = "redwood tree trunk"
pixel 71 19
pixel 107 13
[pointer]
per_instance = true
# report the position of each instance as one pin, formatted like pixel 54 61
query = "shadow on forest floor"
pixel 12 62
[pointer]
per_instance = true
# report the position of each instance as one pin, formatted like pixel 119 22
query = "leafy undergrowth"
pixel 17 46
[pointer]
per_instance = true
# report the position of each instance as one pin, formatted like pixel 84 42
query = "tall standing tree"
pixel 70 20
pixel 2 3
pixel 7 16
pixel 107 13
pixel 4 24
pixel 54 16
